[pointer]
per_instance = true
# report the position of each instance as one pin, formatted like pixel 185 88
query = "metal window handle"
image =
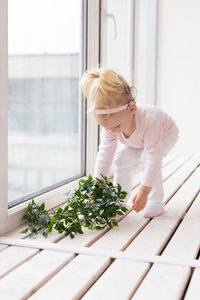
pixel 111 16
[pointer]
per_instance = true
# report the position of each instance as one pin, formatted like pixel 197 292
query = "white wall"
pixel 179 67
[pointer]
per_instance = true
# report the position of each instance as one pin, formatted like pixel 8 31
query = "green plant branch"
pixel 94 205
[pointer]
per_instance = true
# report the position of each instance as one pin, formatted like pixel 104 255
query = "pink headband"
pixel 114 110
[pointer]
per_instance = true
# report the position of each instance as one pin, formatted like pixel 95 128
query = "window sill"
pixel 52 199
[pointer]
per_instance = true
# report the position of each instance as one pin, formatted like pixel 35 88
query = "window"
pixel 48 141
pixel 45 111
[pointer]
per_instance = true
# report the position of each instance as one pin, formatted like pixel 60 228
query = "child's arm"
pixel 105 154
pixel 153 153
pixel 153 161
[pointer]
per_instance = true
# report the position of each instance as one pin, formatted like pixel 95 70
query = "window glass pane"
pixel 45 112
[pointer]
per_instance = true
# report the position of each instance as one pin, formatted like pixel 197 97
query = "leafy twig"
pixel 94 205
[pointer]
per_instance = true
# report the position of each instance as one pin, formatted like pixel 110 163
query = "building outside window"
pixel 45 111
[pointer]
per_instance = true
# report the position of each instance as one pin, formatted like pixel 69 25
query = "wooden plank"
pixel 173 166
pixel 21 289
pixel 13 256
pixel 2 247
pixel 81 273
pixel 88 239
pixel 151 240
pixel 24 254
pixel 83 270
pixel 14 233
pixel 193 290
pixel 177 179
pixel 81 237
pixel 172 157
pixel 171 280
pixel 16 285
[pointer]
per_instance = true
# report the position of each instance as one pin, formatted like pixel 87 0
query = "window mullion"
pixel 93 28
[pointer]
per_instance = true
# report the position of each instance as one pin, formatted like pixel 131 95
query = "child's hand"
pixel 139 201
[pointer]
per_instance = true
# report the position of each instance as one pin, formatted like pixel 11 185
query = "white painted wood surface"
pixel 193 291
pixel 90 268
pixel 3 111
pixel 170 281
pixel 48 274
pixel 153 237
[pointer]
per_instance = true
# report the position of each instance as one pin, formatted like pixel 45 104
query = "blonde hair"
pixel 105 89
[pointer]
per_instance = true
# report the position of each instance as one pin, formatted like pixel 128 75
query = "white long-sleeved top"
pixel 152 125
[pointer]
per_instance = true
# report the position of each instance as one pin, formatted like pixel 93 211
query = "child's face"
pixel 118 122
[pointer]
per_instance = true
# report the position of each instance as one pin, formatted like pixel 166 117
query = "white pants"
pixel 127 157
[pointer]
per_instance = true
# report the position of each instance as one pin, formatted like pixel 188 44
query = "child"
pixel 143 130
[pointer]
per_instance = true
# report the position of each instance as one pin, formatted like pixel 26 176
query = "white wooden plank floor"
pixel 33 273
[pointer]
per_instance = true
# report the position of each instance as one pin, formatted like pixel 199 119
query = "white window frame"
pixel 93 56
pixel 3 110
pixel 146 48
pixel 11 218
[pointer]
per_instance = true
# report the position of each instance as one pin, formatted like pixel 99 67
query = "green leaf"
pixel 123 194
pixel 124 209
pixel 42 206
pixel 29 208
pixel 48 230
pixel 24 217
pixel 119 212
pixel 80 230
pixel 32 235
pixel 53 221
pixel 45 234
pixel 24 231
pixel 115 223
pixel 119 187
pixel 33 229
pixel 101 211
pixel 90 177
pixel 99 227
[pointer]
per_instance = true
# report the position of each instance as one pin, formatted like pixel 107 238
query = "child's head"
pixel 105 89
